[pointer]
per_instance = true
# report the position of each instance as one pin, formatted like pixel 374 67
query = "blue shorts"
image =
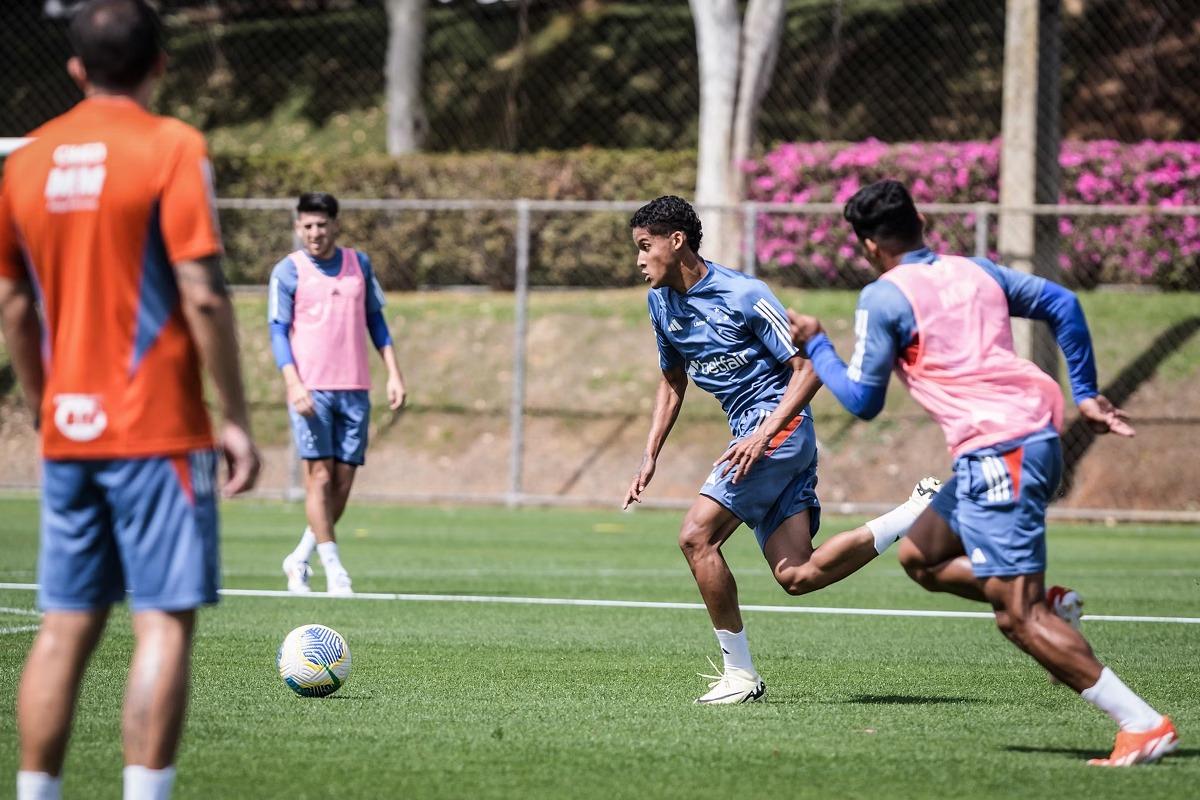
pixel 996 503
pixel 781 484
pixel 143 525
pixel 338 427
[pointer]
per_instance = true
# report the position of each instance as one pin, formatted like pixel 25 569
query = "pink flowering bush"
pixel 820 250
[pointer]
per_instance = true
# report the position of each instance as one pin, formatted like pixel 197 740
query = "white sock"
pixel 38 786
pixel 143 783
pixel 329 557
pixel 1113 697
pixel 735 649
pixel 305 547
pixel 892 526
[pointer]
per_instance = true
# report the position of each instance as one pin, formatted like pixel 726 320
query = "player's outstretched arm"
pixel 23 333
pixel 745 452
pixel 209 314
pixel 1104 417
pixel 667 402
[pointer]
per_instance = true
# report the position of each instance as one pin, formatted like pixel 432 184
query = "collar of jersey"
pixel 917 256
pixel 705 280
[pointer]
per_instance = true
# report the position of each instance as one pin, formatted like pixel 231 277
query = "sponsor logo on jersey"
pixel 79 417
pixel 726 362
pixel 77 177
pixel 674 326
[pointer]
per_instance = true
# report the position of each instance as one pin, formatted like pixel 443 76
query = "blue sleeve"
pixel 668 356
pixel 860 399
pixel 375 298
pixel 377 326
pixel 281 293
pixel 281 346
pixel 766 317
pixel 1034 297
pixel 884 325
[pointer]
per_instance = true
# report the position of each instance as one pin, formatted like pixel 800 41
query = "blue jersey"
pixel 884 327
pixel 731 334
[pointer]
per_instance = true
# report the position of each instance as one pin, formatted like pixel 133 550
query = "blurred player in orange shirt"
pixel 108 223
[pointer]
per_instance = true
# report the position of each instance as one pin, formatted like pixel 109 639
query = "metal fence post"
pixel 520 322
pixel 750 239
pixel 981 230
pixel 294 490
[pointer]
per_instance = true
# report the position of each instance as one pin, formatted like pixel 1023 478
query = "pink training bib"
pixel 329 324
pixel 962 368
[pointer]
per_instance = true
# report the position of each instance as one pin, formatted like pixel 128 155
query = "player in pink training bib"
pixel 943 324
pixel 323 302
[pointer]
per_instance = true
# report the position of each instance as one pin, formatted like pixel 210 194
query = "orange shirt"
pixel 95 211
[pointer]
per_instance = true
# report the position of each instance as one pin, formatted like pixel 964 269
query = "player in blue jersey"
pixel 942 322
pixel 728 332
pixel 324 301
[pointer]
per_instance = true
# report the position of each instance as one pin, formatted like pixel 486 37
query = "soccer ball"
pixel 314 661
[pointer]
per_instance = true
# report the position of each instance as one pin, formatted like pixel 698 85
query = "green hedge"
pixel 421 248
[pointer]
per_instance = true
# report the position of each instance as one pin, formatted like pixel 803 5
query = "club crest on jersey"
pixel 79 417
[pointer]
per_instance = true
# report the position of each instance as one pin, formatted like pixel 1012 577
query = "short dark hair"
pixel 118 41
pixel 668 214
pixel 884 211
pixel 318 203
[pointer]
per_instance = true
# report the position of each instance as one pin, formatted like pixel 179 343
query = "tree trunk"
pixel 718 34
pixel 406 38
pixel 736 64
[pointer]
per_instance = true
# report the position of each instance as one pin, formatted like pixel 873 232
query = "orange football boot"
pixel 1141 748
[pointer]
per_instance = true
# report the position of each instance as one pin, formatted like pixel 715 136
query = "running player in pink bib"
pixel 943 323
pixel 323 302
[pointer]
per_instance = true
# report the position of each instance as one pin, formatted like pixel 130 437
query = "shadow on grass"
pixel 1076 752
pixel 905 700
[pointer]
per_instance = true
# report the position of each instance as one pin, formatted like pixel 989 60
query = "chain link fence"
pixel 546 393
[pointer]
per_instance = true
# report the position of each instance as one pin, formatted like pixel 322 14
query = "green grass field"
pixel 454 699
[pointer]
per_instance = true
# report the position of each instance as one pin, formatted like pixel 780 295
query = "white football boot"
pixel 298 572
pixel 732 685
pixel 338 583
pixel 922 494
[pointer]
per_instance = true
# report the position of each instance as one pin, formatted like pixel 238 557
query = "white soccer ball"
pixel 314 661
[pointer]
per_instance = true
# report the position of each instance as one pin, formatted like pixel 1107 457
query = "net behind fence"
pixel 523 75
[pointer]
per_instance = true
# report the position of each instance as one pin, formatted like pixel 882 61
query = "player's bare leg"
pixel 706 527
pixel 343 481
pixel 800 568
pixel 318 500
pixel 933 556
pixel 50 686
pixel 1027 621
pixel 1025 618
pixel 157 692
pixel 322 478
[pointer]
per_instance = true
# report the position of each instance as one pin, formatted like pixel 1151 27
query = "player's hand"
pixel 742 455
pixel 1103 417
pixel 396 394
pixel 300 399
pixel 241 459
pixel 639 483
pixel 803 327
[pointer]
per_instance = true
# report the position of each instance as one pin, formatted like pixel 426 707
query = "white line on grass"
pixel 566 601
pixel 18 629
